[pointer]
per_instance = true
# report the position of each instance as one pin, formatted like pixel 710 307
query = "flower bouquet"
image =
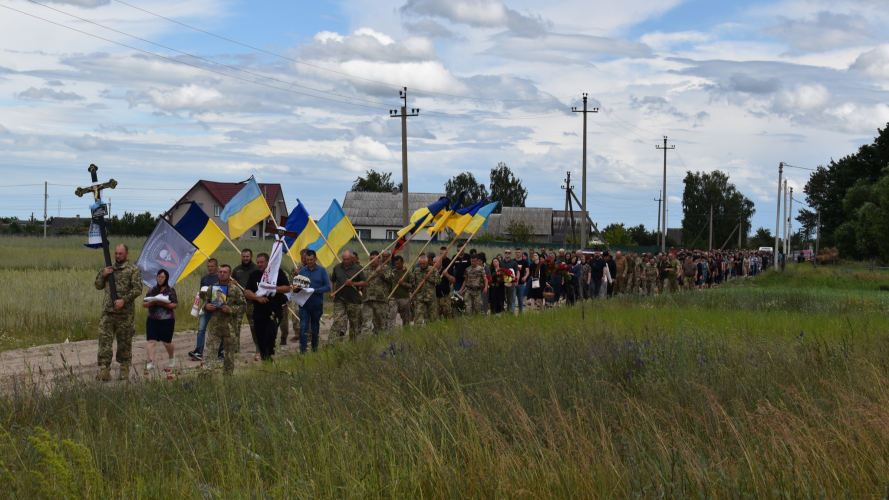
pixel 506 277
pixel 457 303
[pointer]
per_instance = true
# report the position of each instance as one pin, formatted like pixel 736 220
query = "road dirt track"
pixel 48 364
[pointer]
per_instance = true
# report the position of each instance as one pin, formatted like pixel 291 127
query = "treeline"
pixel 129 224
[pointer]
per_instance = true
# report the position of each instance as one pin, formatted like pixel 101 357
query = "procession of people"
pixel 385 294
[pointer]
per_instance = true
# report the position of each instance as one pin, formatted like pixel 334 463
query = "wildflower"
pixel 629 374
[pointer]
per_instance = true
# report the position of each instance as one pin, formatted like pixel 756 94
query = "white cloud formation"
pixel 185 97
pixel 874 62
pixel 803 99
pixel 366 148
pixel 827 31
pixel 479 14
pixel 91 143
pixel 89 4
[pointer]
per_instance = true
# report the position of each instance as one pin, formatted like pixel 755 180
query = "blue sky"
pixel 737 86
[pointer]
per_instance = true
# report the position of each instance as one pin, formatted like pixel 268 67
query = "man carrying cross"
pixel 118 316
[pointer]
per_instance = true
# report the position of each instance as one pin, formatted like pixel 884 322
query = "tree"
pixel 827 186
pixel 475 192
pixel 642 236
pixel 863 235
pixel 132 225
pixel 520 231
pixel 506 188
pixel 375 182
pixel 762 238
pixel 617 234
pixel 706 189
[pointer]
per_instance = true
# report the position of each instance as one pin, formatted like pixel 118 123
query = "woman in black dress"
pixel 161 302
pixel 497 291
pixel 538 275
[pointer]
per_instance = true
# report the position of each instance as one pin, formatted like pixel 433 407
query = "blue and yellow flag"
pixel 436 210
pixel 480 219
pixel 338 230
pixel 199 229
pixel 245 210
pixel 302 224
pixel 463 216
pixel 442 222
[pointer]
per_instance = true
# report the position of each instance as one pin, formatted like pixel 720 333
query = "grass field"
pixel 773 387
pixel 48 294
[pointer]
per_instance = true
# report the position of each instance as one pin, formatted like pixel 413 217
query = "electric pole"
pixel 740 228
pixel 583 227
pixel 778 216
pixel 790 223
pixel 817 239
pixel 664 194
pixel 393 113
pixel 711 229
pixel 784 245
pixel 568 188
pixel 658 200
pixel 45 199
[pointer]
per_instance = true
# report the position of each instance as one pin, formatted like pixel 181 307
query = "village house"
pixel 212 197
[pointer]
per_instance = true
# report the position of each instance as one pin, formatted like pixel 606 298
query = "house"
pixel 540 218
pixel 563 229
pixel 67 225
pixel 379 216
pixel 212 197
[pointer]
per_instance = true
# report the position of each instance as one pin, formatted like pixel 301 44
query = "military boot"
pixel 124 372
pixel 104 374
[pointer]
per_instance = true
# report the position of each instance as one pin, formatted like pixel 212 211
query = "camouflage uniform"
pixel 444 307
pixel 649 275
pixel 688 282
pixel 400 303
pixel 673 277
pixel 376 294
pixel 662 265
pixel 226 328
pixel 632 286
pixel 427 304
pixel 620 281
pixel 121 324
pixel 347 304
pixel 474 278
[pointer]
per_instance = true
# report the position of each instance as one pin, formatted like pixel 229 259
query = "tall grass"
pixel 624 398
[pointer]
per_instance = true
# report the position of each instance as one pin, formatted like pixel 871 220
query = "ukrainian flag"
pixel 442 221
pixel 480 219
pixel 462 217
pixel 245 210
pixel 202 232
pixel 338 230
pixel 300 223
pixel 436 210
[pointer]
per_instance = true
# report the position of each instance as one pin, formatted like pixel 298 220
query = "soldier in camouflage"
pixel 225 323
pixel 347 306
pixel 475 283
pixel 118 317
pixel 401 298
pixel 379 284
pixel 631 273
pixel 649 275
pixel 427 304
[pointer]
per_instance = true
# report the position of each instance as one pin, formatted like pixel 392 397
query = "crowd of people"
pixel 372 298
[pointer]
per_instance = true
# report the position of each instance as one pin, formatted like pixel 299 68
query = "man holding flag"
pixel 267 288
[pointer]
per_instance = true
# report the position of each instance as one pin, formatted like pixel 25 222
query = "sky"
pixel 299 93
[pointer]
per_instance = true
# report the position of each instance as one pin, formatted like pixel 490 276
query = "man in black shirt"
pixel 524 271
pixel 443 289
pixel 597 274
pixel 461 264
pixel 267 311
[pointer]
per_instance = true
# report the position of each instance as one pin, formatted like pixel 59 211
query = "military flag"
pixel 166 249
pixel 245 210
pixel 199 229
pixel 337 228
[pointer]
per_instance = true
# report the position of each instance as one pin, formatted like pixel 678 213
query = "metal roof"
pixel 365 208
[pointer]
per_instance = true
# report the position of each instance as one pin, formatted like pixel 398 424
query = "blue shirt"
pixel 320 283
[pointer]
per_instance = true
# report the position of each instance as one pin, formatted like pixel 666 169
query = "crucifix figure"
pixel 98 212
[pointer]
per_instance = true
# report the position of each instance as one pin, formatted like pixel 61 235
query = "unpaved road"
pixel 47 364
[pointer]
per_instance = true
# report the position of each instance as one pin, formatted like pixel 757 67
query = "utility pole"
pixel 568 187
pixel 393 113
pixel 817 239
pixel 711 229
pixel 45 199
pixel 778 216
pixel 658 200
pixel 784 245
pixel 740 228
pixel 583 227
pixel 790 224
pixel 664 194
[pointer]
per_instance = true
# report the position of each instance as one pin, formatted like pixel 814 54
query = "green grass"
pixel 753 390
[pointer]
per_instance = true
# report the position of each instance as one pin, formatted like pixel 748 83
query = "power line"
pixel 333 70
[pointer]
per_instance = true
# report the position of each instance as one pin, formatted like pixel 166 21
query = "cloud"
pixel 556 48
pixel 55 83
pixel 479 14
pixel 667 41
pixel 827 31
pixel 91 143
pixel 366 148
pixel 368 44
pixel 3 130
pixel 115 129
pixel 45 94
pixel 656 105
pixel 391 128
pixel 429 28
pixel 874 62
pixel 186 97
pixel 88 4
pixel 802 98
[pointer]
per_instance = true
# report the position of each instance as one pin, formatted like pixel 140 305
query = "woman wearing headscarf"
pixel 161 302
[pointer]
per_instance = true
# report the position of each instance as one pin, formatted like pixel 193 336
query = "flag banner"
pixel 480 219
pixel 405 233
pixel 435 210
pixel 302 224
pixel 462 217
pixel 338 230
pixel 166 249
pixel 269 280
pixel 95 237
pixel 245 210
pixel 199 229
pixel 441 222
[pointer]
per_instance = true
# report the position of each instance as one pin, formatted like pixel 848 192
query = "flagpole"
pixel 362 243
pixel 449 265
pixel 408 270
pixel 368 264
